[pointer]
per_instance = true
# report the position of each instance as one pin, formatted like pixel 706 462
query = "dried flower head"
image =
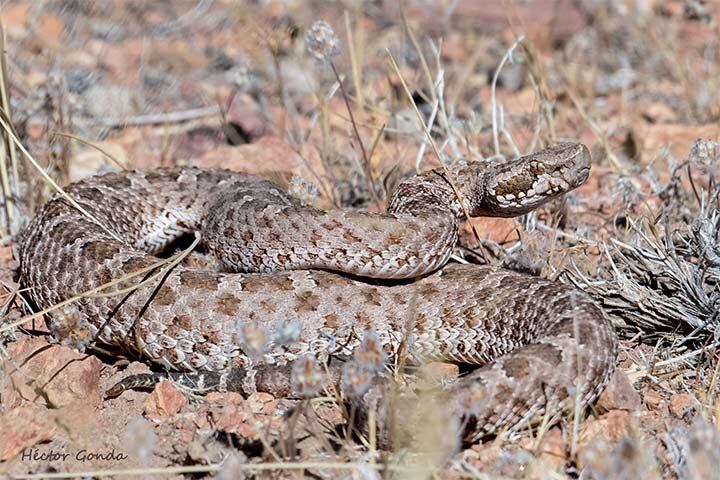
pixel 370 353
pixel 232 467
pixel 356 379
pixel 254 338
pixel 704 152
pixel 141 439
pixel 702 449
pixel 625 191
pixel 321 41
pixel 306 376
pixel 73 328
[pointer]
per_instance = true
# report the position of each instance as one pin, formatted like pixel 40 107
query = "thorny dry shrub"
pixel 664 275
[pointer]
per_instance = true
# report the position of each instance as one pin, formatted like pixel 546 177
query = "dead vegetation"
pixel 340 111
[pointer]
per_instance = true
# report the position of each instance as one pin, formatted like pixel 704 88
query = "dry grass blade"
pixel 98 291
pixel 431 140
pixel 6 126
pixel 249 467
pixel 9 189
pixel 92 145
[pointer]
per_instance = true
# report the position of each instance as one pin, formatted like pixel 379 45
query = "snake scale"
pixel 293 279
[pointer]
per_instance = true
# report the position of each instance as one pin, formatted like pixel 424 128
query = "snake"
pixel 288 280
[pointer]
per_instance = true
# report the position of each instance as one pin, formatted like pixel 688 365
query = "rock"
pixel 92 161
pixel 165 400
pixel 246 418
pixel 268 154
pixel 50 27
pixel 441 371
pixel 546 22
pixel 15 16
pixel 619 394
pixel 121 60
pixel 498 230
pixel 261 403
pixel 652 399
pixel 508 461
pixel 683 405
pixel 607 428
pixel 677 138
pixel 551 453
pixel 51 374
pixel 657 112
pixel 22 427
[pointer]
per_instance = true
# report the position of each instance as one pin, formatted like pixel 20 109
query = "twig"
pixel 506 57
pixel 368 168
pixel 170 117
pixel 688 355
pixel 460 198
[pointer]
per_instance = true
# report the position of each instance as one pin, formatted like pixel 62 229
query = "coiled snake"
pixel 314 281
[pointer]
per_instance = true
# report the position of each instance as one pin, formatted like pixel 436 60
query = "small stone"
pixel 51 372
pixel 165 400
pixel 22 427
pixel 442 369
pixel 683 405
pixel 51 27
pixel 619 394
pixel 246 418
pixel 607 428
pixel 261 403
pixel 551 454
pixel 652 399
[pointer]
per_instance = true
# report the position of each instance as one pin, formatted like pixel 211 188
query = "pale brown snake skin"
pixel 537 342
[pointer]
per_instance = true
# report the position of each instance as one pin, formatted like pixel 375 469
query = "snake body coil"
pixel 277 297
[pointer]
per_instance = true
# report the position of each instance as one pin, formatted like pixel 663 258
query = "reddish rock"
pixel 619 394
pixel 551 453
pixel 231 415
pixel 246 418
pixel 545 22
pixel 90 161
pixel 268 154
pixel 441 370
pixel 499 230
pixel 165 400
pixel 677 138
pixel 15 16
pixel 50 27
pixel 50 372
pixel 652 399
pixel 682 405
pixel 657 112
pixel 261 403
pixel 121 60
pixel 6 253
pixel 22 427
pixel 608 428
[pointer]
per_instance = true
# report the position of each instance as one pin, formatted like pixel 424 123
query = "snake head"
pixel 526 183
